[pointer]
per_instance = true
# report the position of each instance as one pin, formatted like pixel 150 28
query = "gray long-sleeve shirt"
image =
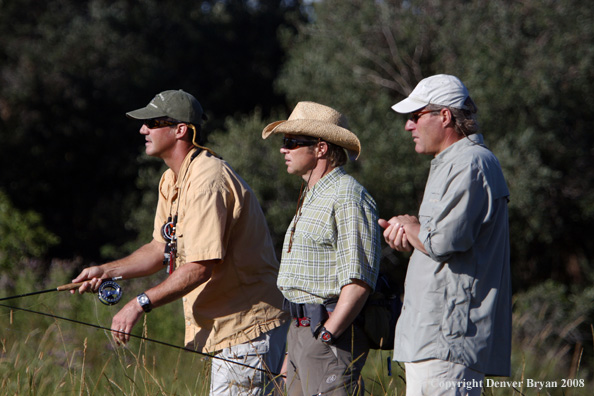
pixel 457 302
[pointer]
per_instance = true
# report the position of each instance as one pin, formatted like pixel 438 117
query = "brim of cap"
pixel 146 113
pixel 330 132
pixel 409 105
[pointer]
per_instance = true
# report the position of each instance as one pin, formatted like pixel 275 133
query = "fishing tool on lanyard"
pixel 168 233
pixel 109 293
pixel 169 229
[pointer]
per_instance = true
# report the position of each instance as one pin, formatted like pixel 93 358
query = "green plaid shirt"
pixel 336 239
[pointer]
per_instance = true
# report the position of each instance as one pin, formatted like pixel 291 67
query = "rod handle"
pixel 69 286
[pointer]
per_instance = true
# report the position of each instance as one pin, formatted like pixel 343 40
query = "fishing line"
pixel 133 335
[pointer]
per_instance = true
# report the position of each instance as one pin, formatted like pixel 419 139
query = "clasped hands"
pixel 397 231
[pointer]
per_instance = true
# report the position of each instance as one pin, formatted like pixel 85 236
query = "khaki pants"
pixel 314 368
pixel 265 352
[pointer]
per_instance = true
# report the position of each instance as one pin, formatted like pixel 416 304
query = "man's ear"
pixel 181 132
pixel 322 149
pixel 446 116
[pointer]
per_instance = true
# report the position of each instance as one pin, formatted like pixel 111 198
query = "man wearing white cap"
pixel 455 325
pixel 211 235
pixel 331 253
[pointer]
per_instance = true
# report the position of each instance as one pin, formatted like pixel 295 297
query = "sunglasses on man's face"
pixel 159 122
pixel 290 143
pixel 414 117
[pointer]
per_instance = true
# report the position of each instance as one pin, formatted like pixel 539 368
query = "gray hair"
pixel 465 120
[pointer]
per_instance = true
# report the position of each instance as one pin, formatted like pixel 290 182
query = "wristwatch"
pixel 326 337
pixel 144 302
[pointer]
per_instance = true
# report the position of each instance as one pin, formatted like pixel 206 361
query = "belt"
pixel 302 322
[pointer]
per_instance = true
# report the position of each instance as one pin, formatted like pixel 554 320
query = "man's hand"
pixel 124 321
pixel 399 230
pixel 183 280
pixel 351 300
pixel 91 274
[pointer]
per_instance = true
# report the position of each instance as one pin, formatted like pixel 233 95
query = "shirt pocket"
pixel 317 232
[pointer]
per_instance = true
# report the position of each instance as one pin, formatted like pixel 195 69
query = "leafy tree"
pixel 22 235
pixel 528 66
pixel 69 70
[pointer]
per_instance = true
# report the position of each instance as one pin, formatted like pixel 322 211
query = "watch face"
pixel 144 302
pixel 326 336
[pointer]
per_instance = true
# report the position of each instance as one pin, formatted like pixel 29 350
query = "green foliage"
pixel 22 235
pixel 383 376
pixel 141 218
pixel 555 323
pixel 70 69
pixel 528 66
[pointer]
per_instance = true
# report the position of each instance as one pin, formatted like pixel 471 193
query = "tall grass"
pixel 49 356
pixel 57 358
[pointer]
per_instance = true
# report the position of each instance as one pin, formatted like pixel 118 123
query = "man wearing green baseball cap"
pixel 211 234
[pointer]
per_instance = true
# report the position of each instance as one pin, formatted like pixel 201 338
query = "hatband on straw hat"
pixel 319 121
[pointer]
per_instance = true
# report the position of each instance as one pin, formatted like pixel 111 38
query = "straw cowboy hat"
pixel 316 120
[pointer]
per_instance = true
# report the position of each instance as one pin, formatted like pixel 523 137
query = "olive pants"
pixel 315 368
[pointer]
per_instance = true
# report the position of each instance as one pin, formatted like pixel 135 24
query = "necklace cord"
pixel 302 192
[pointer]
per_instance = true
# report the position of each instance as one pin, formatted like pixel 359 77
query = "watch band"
pixel 144 302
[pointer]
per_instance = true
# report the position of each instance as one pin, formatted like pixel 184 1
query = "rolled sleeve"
pixel 451 218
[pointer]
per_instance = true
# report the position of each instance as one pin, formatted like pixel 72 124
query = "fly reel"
pixel 109 293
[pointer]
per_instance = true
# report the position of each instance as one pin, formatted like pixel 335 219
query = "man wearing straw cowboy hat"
pixel 331 253
pixel 211 233
pixel 455 325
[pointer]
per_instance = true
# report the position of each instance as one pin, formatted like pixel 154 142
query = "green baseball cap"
pixel 179 105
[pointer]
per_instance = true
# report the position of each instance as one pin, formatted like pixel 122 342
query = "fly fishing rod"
pixel 264 370
pixel 109 293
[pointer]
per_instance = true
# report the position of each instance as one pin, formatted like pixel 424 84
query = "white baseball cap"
pixel 441 89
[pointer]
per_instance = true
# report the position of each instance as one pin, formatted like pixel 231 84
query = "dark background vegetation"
pixel 76 186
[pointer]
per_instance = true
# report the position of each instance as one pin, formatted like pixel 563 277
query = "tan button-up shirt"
pixel 219 218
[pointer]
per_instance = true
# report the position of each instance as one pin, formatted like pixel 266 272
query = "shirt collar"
pixel 455 149
pixel 327 181
pixel 183 169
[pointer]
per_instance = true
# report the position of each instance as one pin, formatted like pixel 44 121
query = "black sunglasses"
pixel 290 143
pixel 159 122
pixel 414 117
